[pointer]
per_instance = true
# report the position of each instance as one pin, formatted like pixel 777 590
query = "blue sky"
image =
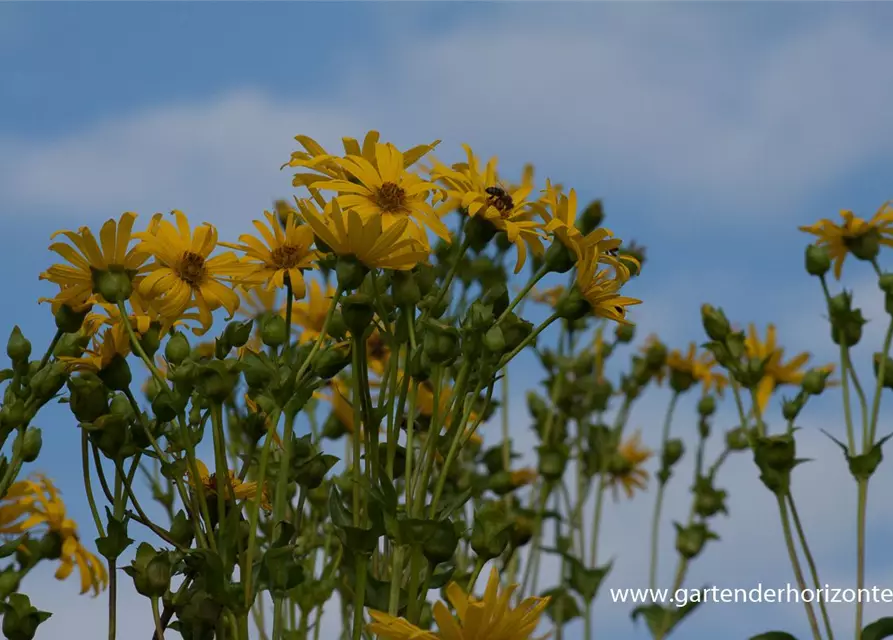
pixel 711 131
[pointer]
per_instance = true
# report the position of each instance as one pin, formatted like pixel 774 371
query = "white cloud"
pixel 613 98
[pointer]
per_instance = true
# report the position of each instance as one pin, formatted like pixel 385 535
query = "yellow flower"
pixel 90 262
pixel 183 275
pixel 777 372
pixel 114 343
pixel 240 490
pixel 286 252
pixel 388 190
pixel 347 234
pixel 699 367
pixel 480 194
pixel 325 165
pixel 626 469
pixel 141 317
pixel 491 618
pixel 32 503
pixel 855 235
pixel 601 289
pixel 523 477
pixel 309 315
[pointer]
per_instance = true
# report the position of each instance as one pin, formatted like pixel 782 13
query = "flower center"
pixel 287 256
pixel 391 198
pixel 191 269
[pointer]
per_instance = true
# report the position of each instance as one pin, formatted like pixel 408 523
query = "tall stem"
pixel 658 504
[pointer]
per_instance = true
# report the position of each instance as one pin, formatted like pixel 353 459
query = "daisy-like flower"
pixel 777 372
pixel 240 490
pixel 347 234
pixel 856 235
pixel 601 289
pixel 387 190
pixel 325 166
pixel 491 618
pixel 106 268
pixel 141 316
pixel 308 316
pixel 626 469
pixel 36 502
pixel 699 366
pixel 479 193
pixel 114 343
pixel 184 276
pixel 287 251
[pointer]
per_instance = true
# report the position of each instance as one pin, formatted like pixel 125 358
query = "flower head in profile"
pixel 345 233
pixel 36 503
pixel 279 254
pixel 308 316
pixel 855 235
pixel 492 617
pixel 237 490
pixel 549 296
pixel 777 372
pixel 625 469
pixel 105 269
pixel 601 289
pixel 183 274
pixel 105 348
pixel 479 192
pixel 700 366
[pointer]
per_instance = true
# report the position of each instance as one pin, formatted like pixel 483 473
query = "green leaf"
pixel 115 542
pixel 880 628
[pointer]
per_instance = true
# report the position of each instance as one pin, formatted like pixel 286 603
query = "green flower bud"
pixel 624 333
pixel 20 619
pixel 167 406
pixel 865 246
pixel 441 343
pixel 337 327
pixel 488 540
pixel 216 382
pixel 12 414
pixel 68 320
pixel 558 258
pixel 715 323
pixel 673 452
pixel 479 232
pixel 50 546
pixel 350 273
pixel 790 409
pixel 592 217
pixel 707 406
pixel 405 289
pixel 778 452
pixel 441 545
pixel 273 330
pixel 237 334
pixel 494 340
pixel 18 348
pixel 435 308
pixel 426 278
pixel 177 349
pixel 814 381
pixel 114 285
pixel 690 540
pixel 552 461
pixel 885 282
pixel 420 366
pixel 182 530
pixel 601 391
pixel 116 374
pixel 515 330
pixel 497 297
pixel 331 361
pixel 888 369
pixel 31 444
pixel 358 312
pixel 9 582
pixel 71 345
pixel 680 380
pixel 151 340
pixel 521 532
pixel 573 306
pixel 47 382
pixel 736 439
pixel 818 262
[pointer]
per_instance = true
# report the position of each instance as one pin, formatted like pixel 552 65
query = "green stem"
pixel 49 351
pixel 658 505
pixel 88 485
pixel 795 564
pixel 534 279
pixel 862 507
pixel 478 567
pixel 156 616
pixel 879 386
pixel 801 533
